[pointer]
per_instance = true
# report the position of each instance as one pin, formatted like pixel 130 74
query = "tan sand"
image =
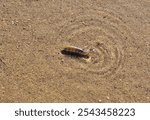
pixel 33 32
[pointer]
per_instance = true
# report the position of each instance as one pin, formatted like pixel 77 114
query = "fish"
pixel 75 52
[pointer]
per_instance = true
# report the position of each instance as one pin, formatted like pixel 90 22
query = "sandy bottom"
pixel 33 32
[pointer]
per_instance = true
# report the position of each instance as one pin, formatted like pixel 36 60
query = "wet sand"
pixel 33 32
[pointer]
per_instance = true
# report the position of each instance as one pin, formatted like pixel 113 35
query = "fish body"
pixel 75 51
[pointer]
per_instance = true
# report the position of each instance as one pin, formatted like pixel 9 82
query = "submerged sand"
pixel 33 32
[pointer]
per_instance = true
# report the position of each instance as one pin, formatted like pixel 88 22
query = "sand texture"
pixel 33 32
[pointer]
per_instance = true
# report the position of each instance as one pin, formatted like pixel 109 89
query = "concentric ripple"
pixel 101 31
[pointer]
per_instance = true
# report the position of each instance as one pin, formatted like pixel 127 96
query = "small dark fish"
pixel 75 52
